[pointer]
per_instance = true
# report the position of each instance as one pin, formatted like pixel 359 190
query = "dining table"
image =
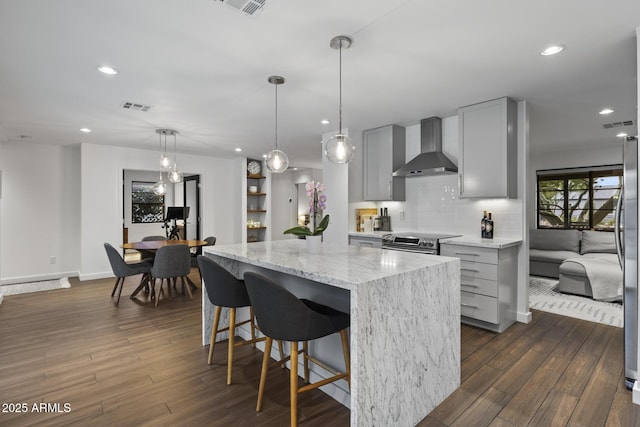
pixel 154 245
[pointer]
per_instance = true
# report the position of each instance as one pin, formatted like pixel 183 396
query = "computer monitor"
pixel 177 212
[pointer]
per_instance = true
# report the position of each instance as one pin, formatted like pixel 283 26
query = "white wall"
pixel 40 211
pixel 101 211
pixel 336 180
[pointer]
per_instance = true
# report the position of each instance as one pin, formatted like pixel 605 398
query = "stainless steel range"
pixel 425 243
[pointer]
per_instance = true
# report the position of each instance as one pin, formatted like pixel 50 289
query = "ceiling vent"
pixel 248 7
pixel 135 106
pixel 618 124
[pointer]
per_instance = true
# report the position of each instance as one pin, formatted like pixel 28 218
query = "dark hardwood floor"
pixel 139 365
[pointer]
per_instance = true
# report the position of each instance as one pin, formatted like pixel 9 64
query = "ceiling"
pixel 203 66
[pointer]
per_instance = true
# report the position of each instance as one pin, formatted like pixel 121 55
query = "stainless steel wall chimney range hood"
pixel 431 160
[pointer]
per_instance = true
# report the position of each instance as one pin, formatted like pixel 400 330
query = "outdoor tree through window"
pixel 583 200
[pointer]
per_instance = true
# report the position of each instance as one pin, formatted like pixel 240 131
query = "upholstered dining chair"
pixel 121 269
pixel 282 316
pixel 150 254
pixel 224 290
pixel 171 262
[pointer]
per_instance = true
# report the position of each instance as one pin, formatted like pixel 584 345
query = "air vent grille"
pixel 248 7
pixel 618 124
pixel 135 106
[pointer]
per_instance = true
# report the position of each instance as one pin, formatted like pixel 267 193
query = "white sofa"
pixel 585 262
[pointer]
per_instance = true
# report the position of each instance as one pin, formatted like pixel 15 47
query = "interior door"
pixel 191 186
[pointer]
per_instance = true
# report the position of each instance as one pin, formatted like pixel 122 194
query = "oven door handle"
pixel 409 250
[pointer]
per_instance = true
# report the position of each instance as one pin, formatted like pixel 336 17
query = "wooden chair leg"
pixel 253 328
pixel 263 372
pixel 113 292
pixel 214 331
pixel 159 292
pixel 120 290
pixel 305 349
pixel 232 332
pixel 186 286
pixel 347 357
pixel 293 391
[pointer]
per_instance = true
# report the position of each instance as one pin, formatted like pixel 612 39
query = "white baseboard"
pixel 524 317
pixel 94 276
pixel 38 278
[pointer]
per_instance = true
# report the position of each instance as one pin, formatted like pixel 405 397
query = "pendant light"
pixel 160 187
pixel 277 161
pixel 175 175
pixel 340 149
pixel 165 161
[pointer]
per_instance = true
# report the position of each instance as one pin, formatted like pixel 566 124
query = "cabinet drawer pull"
pixel 468 305
pixel 470 269
pixel 467 253
pixel 469 286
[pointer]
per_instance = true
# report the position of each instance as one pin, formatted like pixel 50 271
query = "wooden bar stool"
pixel 224 290
pixel 282 316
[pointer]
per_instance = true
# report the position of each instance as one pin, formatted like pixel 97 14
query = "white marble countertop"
pixel 341 266
pixel 482 243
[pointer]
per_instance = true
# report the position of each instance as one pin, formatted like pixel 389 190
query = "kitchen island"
pixel 405 320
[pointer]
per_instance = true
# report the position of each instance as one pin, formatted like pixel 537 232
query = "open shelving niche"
pixel 256 205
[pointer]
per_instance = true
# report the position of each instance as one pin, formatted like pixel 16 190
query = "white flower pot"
pixel 314 244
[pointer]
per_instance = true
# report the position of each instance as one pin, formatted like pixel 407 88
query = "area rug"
pixel 543 297
pixel 44 285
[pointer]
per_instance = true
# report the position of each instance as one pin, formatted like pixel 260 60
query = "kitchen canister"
pixel 253 189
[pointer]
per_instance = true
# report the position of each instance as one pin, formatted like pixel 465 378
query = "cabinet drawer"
pixel 479 286
pixel 470 253
pixel 479 307
pixel 478 270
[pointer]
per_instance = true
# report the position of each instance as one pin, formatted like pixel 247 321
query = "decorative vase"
pixel 314 244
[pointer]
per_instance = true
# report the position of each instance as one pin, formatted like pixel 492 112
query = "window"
pixel 146 205
pixel 583 199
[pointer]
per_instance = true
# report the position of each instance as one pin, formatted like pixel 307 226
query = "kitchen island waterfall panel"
pixel 405 319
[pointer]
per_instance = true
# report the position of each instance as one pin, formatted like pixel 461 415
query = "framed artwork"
pixel 146 205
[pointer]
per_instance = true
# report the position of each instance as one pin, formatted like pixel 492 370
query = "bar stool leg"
pixel 281 350
pixel 294 384
pixel 263 372
pixel 253 328
pixel 347 357
pixel 232 332
pixel 305 350
pixel 214 331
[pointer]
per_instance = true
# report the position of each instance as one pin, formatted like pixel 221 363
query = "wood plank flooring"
pixel 136 364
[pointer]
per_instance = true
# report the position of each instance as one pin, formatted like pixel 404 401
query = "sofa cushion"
pixel 598 241
pixel 555 240
pixel 555 257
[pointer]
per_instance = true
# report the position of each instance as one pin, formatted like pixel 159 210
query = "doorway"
pixel 191 198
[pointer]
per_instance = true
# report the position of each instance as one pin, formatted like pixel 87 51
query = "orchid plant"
pixel 317 203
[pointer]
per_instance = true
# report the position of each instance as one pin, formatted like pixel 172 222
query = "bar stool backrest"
pixel 223 289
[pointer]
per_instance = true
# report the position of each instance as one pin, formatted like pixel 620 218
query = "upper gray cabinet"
pixel 384 152
pixel 488 149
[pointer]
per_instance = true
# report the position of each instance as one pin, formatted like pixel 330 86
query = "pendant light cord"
pixel 276 131
pixel 175 152
pixel 340 91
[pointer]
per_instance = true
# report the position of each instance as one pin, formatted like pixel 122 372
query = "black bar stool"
pixel 282 316
pixel 224 290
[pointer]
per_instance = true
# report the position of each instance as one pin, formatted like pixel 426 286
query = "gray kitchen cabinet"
pixel 365 241
pixel 488 149
pixel 488 284
pixel 384 152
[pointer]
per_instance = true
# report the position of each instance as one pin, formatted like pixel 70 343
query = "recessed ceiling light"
pixel 238 149
pixel 552 50
pixel 325 122
pixel 107 70
pixel 85 130
pixel 622 135
pixel 606 111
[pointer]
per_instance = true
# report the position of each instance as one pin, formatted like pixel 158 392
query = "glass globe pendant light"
pixel 339 148
pixel 160 187
pixel 175 175
pixel 277 161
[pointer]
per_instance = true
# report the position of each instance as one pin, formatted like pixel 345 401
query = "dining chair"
pixel 171 262
pixel 224 290
pixel 121 269
pixel 282 316
pixel 150 254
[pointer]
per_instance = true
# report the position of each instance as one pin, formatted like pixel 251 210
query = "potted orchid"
pixel 317 202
